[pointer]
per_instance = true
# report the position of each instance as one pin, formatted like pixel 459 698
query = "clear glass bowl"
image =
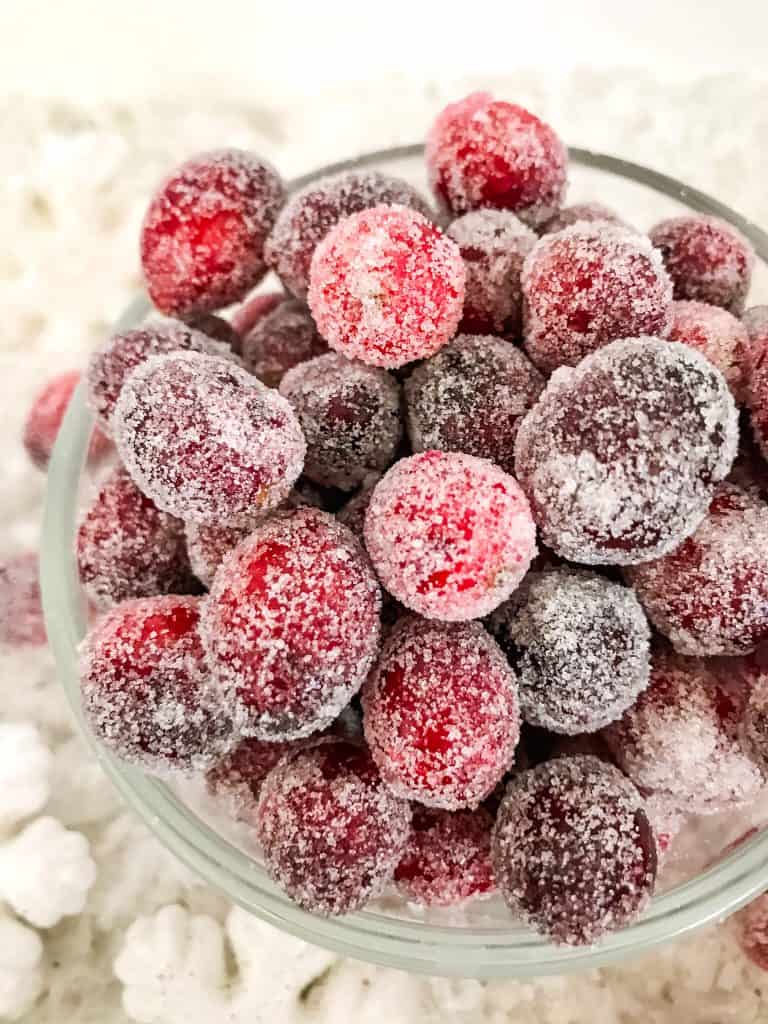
pixel 481 941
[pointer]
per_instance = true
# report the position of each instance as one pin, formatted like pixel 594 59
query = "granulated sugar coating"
pixel 710 595
pixel 573 851
pixel 45 416
pixel 202 241
pixel 483 152
pixel 493 245
pixel 291 625
pixel 236 780
pixel 470 398
pixel 280 340
pixel 589 285
pixel 718 335
pixel 750 925
pixel 754 723
pixel 310 214
pixel 387 286
pixel 21 612
pixel 331 831
pixel 680 739
pixel 440 713
pixel 449 535
pixel 448 857
pixel 208 545
pixel 246 316
pixel 707 259
pixel 755 321
pixel 205 440
pixel 621 455
pixel 127 547
pixel 582 213
pixel 350 415
pixel 580 644
pixel 146 689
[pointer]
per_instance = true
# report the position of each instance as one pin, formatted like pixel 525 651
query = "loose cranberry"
pixel 45 417
pixel 281 340
pixel 207 547
pixel 236 780
pixel 245 317
pixel 21 612
pixel 718 335
pixel 581 213
pixel 751 928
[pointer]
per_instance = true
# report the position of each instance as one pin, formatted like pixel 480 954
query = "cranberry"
pixel 281 340
pixel 45 417
pixel 207 546
pixel 245 317
pixel 582 213
pixel 235 781
pixel 754 722
pixel 755 322
pixel 21 611
pixel 718 335
pixel 352 513
pixel 217 329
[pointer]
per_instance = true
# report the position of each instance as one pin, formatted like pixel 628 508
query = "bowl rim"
pixel 368 935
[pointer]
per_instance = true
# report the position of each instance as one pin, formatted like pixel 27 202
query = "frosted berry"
pixel 352 513
pixel 21 611
pixel 202 241
pixel 589 285
pixel 710 595
pixel 483 152
pixel 235 781
pixel 718 335
pixel 707 259
pixel 310 214
pixel 281 340
pixel 580 644
pixel 755 322
pixel 45 416
pixel 146 688
pixel 245 317
pixel 448 857
pixel 573 851
pixel 471 397
pixel 387 286
pixel 127 547
pixel 580 213
pixel 217 329
pixel 350 416
pixel 754 722
pixel 205 440
pixel 620 457
pixel 441 713
pixel 331 831
pixel 291 624
pixel 207 546
pixel 493 245
pixel 751 929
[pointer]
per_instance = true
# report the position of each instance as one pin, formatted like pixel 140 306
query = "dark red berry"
pixel 281 340
pixel 41 427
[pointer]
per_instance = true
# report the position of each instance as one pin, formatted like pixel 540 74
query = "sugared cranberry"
pixel 207 546
pixel 751 929
pixel 21 611
pixel 291 624
pixel 580 644
pixel 387 286
pixel 281 340
pixel 755 322
pixel 441 713
pixel 217 329
pixel 41 427
pixel 245 317
pixel 620 456
pixel 331 831
pixel 202 241
pixel 310 214
pixel 205 440
pixel 707 259
pixel 470 398
pixel 493 245
pixel 582 213
pixel 235 781
pixel 573 851
pixel 587 286
pixel 754 721
pixel 666 821
pixel 146 688
pixel 718 335
pixel 710 595
pixel 483 152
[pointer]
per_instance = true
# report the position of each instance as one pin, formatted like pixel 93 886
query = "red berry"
pixel 146 689
pixel 21 611
pixel 127 547
pixel 281 340
pixel 484 152
pixel 493 245
pixel 45 417
pixel 718 335
pixel 581 213
pixel 710 595
pixel 245 317
pixel 620 456
pixel 573 851
pixel 331 831
pixel 207 546
pixel 441 713
pixel 471 397
pixel 587 286
pixel 386 286
pixel 751 928
pixel 292 624
pixel 310 214
pixel 235 781
pixel 205 440
pixel 202 241
pixel 707 259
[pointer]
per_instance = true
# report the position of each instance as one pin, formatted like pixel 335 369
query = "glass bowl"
pixel 482 941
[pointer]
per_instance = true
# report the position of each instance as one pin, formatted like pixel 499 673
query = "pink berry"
pixel 471 397
pixel 483 152
pixel 207 547
pixel 580 213
pixel 205 440
pixel 292 625
pixel 45 417
pixel 587 286
pixel 245 317
pixel 718 335
pixel 331 831
pixel 751 927
pixel 710 595
pixel 235 781
pixel 146 688
pixel 440 713
pixel 707 259
pixel 21 612
pixel 493 245
pixel 202 241
pixel 620 457
pixel 281 340
pixel 310 214
pixel 573 851
pixel 386 286
pixel 448 857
